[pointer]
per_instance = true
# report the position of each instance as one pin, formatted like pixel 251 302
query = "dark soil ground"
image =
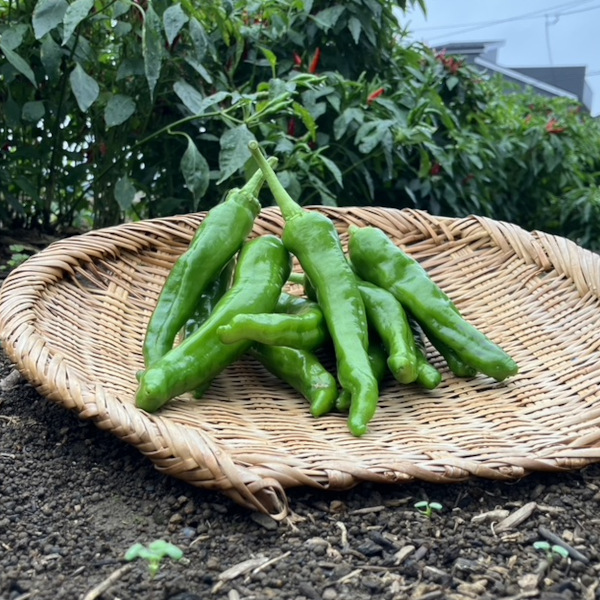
pixel 73 499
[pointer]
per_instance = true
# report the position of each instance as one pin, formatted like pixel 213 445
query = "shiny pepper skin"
pixel 218 238
pixel 377 259
pixel 314 240
pixel 262 269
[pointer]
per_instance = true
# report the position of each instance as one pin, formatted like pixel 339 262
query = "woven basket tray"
pixel 73 317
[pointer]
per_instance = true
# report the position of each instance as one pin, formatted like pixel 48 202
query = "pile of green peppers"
pixel 369 308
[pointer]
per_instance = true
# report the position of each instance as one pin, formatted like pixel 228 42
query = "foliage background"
pixel 113 110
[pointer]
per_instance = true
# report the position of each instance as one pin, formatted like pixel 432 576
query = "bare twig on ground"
pixel 97 591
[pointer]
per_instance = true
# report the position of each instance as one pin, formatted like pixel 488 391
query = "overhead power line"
pixel 468 27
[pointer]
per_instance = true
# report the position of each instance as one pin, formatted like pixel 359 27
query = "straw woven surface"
pixel 73 318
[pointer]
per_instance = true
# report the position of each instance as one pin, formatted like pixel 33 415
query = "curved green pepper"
pixel 302 370
pixel 297 323
pixel 209 298
pixel 217 240
pixel 262 269
pixel 378 260
pixel 387 316
pixel 378 357
pixel 315 242
pixel 427 375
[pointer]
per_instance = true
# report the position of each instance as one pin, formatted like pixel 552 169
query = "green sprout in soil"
pixel 428 508
pixel 154 553
pixel 552 551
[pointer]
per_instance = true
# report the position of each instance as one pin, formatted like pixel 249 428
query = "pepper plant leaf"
pixel 47 14
pixel 118 109
pixel 51 57
pixel 152 48
pixel 234 151
pixel 75 13
pixel 173 20
pixel 124 193
pixel 196 172
pixel 355 27
pixel 85 88
pixel 328 17
pixel 19 63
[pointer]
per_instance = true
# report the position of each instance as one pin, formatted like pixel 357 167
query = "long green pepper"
pixel 389 319
pixel 315 242
pixel 262 269
pixel 302 370
pixel 296 323
pixel 217 240
pixel 377 259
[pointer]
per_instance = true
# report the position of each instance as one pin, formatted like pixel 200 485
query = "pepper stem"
pixel 257 179
pixel 288 206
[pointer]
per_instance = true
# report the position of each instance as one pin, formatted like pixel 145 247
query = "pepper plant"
pixel 113 110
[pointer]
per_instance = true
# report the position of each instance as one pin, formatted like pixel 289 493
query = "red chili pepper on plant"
pixel 375 95
pixel 292 127
pixel 314 65
pixel 551 127
pixel 297 59
pixel 436 169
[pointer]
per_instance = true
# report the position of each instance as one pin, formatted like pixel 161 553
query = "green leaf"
pixel 33 111
pixel 75 13
pixel 333 169
pixel 370 134
pixel 152 48
pixel 193 100
pixel 307 119
pixel 19 63
pixel 173 20
pixel 199 68
pixel 234 151
pixel 196 172
pixel 341 123
pixel 270 56
pixel 51 56
pixel 190 96
pixel 162 548
pixel 118 109
pixel 328 17
pixel 355 27
pixel 199 39
pixel 125 195
pixel 13 37
pixel 47 14
pixel 85 88
pixel 134 552
pixel 452 82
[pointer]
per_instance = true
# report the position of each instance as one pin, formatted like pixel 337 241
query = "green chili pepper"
pixel 209 298
pixel 302 370
pixel 315 242
pixel 217 240
pixel 387 316
pixel 456 365
pixel 378 357
pixel 427 375
pixel 304 328
pixel 378 260
pixel 262 269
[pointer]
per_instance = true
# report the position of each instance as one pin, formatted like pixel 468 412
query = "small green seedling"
pixel 154 554
pixel 428 508
pixel 552 551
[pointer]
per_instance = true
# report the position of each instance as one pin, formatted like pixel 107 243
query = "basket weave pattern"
pixel 73 317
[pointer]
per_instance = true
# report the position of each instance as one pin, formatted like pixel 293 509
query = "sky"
pixel 536 33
